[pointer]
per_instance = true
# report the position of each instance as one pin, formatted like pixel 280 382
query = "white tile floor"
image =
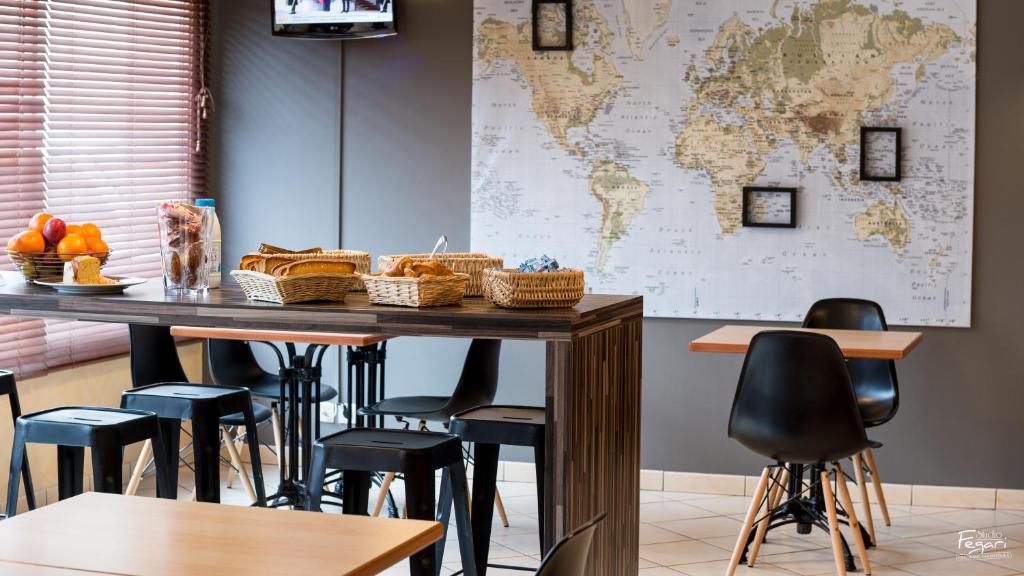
pixel 683 533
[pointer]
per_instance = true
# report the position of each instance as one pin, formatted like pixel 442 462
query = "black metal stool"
pixel 488 428
pixel 9 388
pixel 106 431
pixel 358 452
pixel 204 405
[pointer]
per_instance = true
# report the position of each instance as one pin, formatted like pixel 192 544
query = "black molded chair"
pixel 570 555
pixel 796 405
pixel 488 428
pixel 154 360
pixel 9 388
pixel 477 386
pixel 878 393
pixel 232 363
pixel 105 431
pixel 359 452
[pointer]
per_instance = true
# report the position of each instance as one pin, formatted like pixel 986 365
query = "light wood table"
pixel 854 343
pixel 125 535
pixel 18 569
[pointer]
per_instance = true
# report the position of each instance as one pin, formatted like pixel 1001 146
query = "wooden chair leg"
pixel 140 467
pixel 229 482
pixel 858 538
pixel 275 423
pixel 833 523
pixel 236 461
pixel 500 507
pixel 382 497
pixel 748 523
pixel 774 497
pixel 862 486
pixel 876 481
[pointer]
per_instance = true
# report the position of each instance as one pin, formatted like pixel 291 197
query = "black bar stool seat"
pixel 488 428
pixel 106 431
pixel 358 452
pixel 204 405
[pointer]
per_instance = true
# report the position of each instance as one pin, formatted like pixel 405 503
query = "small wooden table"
pixel 853 343
pixel 126 535
pixel 301 389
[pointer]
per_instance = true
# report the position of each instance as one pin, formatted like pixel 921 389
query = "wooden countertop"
pixel 227 307
pixel 888 345
pixel 130 535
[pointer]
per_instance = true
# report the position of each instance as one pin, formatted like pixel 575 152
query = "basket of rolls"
pixel 269 258
pixel 303 280
pixel 408 282
pixel 472 263
pixel 537 283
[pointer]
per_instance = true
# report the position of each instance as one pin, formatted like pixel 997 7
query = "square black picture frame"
pixel 567 6
pixel 865 176
pixel 748 194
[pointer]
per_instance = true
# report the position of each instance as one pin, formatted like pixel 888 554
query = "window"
pixel 102 106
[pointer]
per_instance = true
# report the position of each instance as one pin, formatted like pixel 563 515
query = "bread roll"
pixel 315 266
pixel 250 261
pixel 398 268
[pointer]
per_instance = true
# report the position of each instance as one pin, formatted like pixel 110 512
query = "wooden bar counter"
pixel 592 390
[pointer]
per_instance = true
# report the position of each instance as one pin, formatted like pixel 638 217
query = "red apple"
pixel 54 230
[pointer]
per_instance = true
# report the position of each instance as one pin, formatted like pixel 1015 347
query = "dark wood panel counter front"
pixel 592 388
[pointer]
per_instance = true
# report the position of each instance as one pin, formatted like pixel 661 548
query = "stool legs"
pixel 485 476
pixel 206 452
pixel 317 472
pixel 30 492
pixel 18 462
pixel 170 434
pixel 356 492
pixel 70 469
pixel 419 497
pixel 107 468
pixel 253 439
pixel 538 459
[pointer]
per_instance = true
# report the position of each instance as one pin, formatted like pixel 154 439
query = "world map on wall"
pixel 627 157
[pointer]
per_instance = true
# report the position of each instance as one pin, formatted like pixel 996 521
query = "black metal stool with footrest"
pixel 488 428
pixel 204 405
pixel 106 431
pixel 359 452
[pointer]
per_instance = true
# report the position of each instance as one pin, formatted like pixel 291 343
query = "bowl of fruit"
pixel 41 250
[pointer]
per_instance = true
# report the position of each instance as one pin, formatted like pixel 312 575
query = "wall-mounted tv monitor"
pixel 334 19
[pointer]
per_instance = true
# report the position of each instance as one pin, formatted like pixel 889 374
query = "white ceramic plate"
pixel 90 289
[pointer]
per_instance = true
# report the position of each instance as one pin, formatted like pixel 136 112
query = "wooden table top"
pixel 227 307
pixel 18 569
pixel 139 536
pixel 325 338
pixel 854 343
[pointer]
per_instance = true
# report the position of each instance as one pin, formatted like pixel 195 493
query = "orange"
pixel 73 229
pixel 97 245
pixel 38 221
pixel 72 245
pixel 27 241
pixel 90 230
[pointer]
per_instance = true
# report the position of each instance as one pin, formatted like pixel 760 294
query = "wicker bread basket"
pixel 416 292
pixel 472 263
pixel 294 289
pixel 360 259
pixel 514 289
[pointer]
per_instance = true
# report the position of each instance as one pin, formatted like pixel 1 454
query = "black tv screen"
pixel 337 19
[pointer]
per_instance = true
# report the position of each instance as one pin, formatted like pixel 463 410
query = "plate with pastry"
pixel 82 276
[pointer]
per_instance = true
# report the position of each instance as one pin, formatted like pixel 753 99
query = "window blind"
pixel 112 102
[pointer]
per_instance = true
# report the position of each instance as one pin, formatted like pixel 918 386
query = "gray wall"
pixel 405 165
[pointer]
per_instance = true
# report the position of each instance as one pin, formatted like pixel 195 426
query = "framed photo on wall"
pixel 881 154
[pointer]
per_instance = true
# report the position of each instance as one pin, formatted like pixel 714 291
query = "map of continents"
pixel 627 156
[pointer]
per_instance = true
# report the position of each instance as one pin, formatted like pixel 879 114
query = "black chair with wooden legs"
pixel 570 556
pixel 9 388
pixel 796 405
pixel 360 452
pixel 878 394
pixel 161 385
pixel 488 428
pixel 478 385
pixel 105 431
